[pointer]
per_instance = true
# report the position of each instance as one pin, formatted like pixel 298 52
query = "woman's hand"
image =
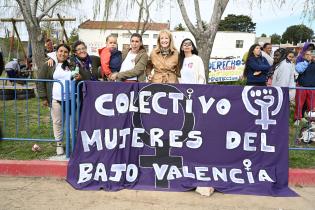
pixel 149 77
pixel 50 62
pixel 77 76
pixel 113 76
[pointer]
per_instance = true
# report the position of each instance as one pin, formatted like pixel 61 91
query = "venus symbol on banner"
pixel 265 100
pixel 163 154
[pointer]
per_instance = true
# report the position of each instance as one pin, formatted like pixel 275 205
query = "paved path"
pixel 45 193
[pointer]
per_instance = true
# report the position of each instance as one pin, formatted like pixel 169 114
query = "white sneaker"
pixel 311 114
pixel 59 149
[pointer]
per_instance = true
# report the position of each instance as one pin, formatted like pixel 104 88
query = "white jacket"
pixel 199 70
pixel 284 77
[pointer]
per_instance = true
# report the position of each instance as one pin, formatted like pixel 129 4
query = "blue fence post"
pixel 73 113
pixel 67 120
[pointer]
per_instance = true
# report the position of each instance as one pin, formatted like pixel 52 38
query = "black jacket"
pixel 307 78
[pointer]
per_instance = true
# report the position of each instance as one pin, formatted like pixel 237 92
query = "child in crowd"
pixel 305 79
pixel 110 57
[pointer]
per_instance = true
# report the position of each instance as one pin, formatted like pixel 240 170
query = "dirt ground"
pixel 49 193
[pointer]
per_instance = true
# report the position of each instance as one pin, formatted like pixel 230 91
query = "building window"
pixel 155 36
pixel 126 35
pixel 146 47
pixel 154 46
pixel 114 34
pixel 126 46
pixel 239 43
pixel 145 36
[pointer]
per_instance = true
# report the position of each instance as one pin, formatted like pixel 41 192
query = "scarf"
pixel 84 63
pixel 165 51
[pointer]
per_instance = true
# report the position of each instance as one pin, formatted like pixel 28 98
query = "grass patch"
pixel 25 119
pixel 28 120
pixel 17 150
pixel 301 159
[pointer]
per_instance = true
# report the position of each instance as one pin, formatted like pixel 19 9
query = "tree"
pixel 33 11
pixel 297 33
pixel 242 23
pixel 143 13
pixel 74 36
pixel 179 27
pixel 263 35
pixel 204 36
pixel 275 39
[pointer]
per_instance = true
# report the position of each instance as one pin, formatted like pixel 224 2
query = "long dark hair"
pixel 283 56
pixel 65 63
pixel 265 45
pixel 249 55
pixel 181 57
pixel 138 36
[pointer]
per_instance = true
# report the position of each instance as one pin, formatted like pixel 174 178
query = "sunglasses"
pixel 187 44
pixel 81 49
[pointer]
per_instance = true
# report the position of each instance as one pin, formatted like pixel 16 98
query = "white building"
pixel 226 44
pixel 94 33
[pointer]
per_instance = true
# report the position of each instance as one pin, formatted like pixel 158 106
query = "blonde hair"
pixel 170 36
pixel 110 36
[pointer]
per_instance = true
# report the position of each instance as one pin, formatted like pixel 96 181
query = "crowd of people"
pixel 166 64
pixel 284 70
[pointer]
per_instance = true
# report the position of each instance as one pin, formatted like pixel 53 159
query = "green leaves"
pixel 242 23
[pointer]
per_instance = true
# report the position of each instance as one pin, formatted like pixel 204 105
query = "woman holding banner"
pixel 134 62
pixel 190 64
pixel 164 60
pixel 256 67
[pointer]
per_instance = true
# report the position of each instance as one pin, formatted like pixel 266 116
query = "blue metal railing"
pixel 13 91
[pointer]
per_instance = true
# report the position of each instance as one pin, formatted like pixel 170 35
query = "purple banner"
pixel 177 137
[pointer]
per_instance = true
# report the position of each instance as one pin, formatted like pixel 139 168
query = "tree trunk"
pixel 204 49
pixel 204 37
pixel 38 47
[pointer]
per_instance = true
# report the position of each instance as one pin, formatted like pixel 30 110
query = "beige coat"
pixel 165 68
pixel 138 71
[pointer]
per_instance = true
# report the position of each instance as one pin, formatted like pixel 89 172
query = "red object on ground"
pixel 303 177
pixel 48 168
pixel 42 168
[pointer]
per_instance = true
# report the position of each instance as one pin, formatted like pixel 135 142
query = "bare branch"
pixel 218 9
pixel 25 12
pixel 48 9
pixel 34 10
pixel 198 16
pixel 147 15
pixel 149 5
pixel 190 26
pixel 139 15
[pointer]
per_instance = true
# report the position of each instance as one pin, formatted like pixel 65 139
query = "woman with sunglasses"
pixel 190 64
pixel 85 65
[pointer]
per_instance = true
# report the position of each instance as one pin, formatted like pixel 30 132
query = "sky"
pixel 269 17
